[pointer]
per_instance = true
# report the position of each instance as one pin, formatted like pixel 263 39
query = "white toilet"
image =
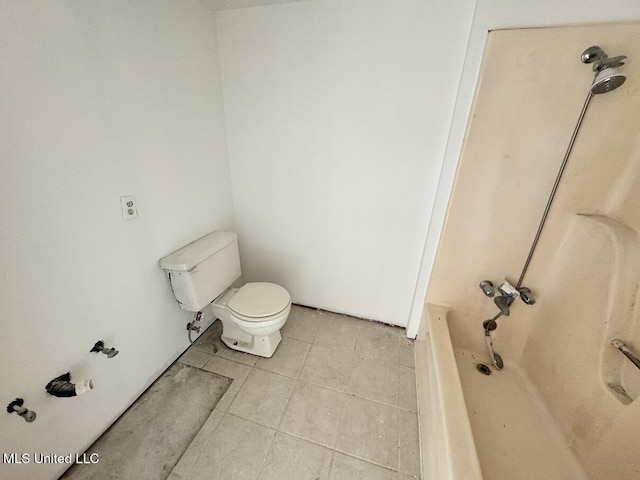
pixel 203 273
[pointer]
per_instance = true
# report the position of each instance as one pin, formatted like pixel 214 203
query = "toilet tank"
pixel 201 271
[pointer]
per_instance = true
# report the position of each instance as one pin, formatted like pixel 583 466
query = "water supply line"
pixel 195 325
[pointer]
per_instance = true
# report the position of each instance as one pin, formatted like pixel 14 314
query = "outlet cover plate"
pixel 129 207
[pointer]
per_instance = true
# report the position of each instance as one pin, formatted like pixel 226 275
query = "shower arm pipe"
pixel 555 187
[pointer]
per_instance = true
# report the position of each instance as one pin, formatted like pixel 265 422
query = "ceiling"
pixel 229 4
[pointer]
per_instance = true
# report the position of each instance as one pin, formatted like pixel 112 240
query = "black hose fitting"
pixel 62 387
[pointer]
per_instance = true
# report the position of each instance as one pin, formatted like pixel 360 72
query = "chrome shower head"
pixel 607 80
pixel 607 76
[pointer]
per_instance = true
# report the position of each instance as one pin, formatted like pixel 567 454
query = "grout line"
pixel 205 441
pixel 284 412
pixel 264 460
pixel 251 421
pixel 387 467
pixel 333 456
pixel 350 394
pixel 335 450
pixel 304 362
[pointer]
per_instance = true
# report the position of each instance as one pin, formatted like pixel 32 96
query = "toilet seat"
pixel 259 302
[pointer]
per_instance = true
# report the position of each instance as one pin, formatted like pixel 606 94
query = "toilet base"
pixel 260 345
pixel 255 338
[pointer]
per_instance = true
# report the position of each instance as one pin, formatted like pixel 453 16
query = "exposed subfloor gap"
pixel 147 441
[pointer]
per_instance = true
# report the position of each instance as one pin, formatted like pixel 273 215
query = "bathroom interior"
pixel 377 159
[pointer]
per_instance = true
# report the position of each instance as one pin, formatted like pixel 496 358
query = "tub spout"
pixel 496 359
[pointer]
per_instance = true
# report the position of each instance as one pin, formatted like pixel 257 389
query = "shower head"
pixel 607 76
pixel 607 80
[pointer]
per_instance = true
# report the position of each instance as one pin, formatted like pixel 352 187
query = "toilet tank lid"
pixel 187 257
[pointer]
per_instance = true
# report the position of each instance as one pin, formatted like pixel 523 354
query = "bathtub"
pixel 475 426
pixel 566 405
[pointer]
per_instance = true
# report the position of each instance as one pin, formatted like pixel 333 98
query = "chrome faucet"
pixel 508 293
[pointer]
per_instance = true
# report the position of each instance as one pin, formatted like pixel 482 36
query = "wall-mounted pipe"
pixel 17 407
pixel 62 387
pixel 99 347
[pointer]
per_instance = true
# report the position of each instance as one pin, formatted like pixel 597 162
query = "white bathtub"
pixel 474 426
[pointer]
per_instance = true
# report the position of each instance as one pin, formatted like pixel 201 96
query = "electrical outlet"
pixel 129 207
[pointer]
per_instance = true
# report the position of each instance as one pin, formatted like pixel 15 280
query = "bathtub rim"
pixel 454 455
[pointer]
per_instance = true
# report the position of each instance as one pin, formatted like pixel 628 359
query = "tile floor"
pixel 337 401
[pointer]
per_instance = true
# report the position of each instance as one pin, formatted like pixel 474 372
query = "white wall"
pixel 491 15
pixel 337 116
pixel 99 100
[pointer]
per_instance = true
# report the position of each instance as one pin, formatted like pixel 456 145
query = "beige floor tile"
pixel 195 358
pixel 236 356
pixel 263 398
pixel 338 331
pixel 236 450
pixel 197 446
pixel 314 413
pixel 296 459
pixel 230 394
pixel 375 380
pixel 348 468
pixel 388 328
pixel 378 344
pixel 227 368
pixel 236 371
pixel 209 341
pixel 329 367
pixel 355 392
pixel 409 449
pixel 288 358
pixel 407 396
pixel 303 324
pixel 407 355
pixel 370 431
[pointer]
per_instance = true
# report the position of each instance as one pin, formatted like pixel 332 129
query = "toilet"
pixel 203 273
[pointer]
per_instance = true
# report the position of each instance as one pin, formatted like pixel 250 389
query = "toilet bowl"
pixel 201 275
pixel 252 317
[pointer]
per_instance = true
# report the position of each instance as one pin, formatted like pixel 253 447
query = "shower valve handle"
pixel 487 287
pixel 526 296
